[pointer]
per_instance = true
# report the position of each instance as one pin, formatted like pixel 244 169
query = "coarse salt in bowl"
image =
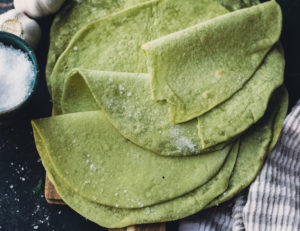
pixel 18 73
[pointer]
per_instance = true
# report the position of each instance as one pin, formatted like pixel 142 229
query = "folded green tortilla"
pixel 253 148
pixel 250 160
pixel 141 127
pixel 126 100
pixel 233 5
pixel 163 107
pixel 113 217
pixel 74 15
pixel 114 43
pixel 244 108
pixel 200 67
pixel 98 162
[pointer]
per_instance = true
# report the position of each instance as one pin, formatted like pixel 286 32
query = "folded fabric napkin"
pixel 273 199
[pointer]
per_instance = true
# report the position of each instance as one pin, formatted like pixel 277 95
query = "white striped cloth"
pixel 272 202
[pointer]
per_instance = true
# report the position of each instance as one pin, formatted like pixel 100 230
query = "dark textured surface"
pixel 22 205
pixel 5 5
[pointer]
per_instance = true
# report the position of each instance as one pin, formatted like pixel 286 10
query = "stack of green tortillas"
pixel 162 108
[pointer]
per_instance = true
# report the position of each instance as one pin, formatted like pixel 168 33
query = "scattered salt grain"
pixel 141 204
pixel 184 143
pixel 147 210
pixel 87 182
pixel 121 87
pixel 93 167
pixel 16 76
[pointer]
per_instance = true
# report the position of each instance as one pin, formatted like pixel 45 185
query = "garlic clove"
pixel 38 8
pixel 12 26
pixel 17 23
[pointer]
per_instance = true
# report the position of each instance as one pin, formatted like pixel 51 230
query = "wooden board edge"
pixel 52 197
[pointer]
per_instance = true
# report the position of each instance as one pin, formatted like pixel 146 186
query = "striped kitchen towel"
pixel 272 202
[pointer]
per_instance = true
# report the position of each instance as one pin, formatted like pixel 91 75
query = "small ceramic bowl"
pixel 9 39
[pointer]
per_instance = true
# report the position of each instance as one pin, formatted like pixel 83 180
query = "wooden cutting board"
pixel 52 197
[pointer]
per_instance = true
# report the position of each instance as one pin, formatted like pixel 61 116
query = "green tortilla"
pixel 283 99
pixel 126 100
pixel 200 67
pixel 233 5
pixel 256 140
pixel 264 134
pixel 247 106
pixel 115 156
pixel 112 217
pixel 98 162
pixel 114 43
pixel 74 15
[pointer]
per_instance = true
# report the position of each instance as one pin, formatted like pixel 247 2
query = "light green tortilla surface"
pixel 114 43
pixel 238 4
pixel 283 99
pixel 162 107
pixel 253 145
pixel 244 108
pixel 200 67
pixel 264 135
pixel 99 163
pixel 129 107
pixel 113 217
pixel 126 100
pixel 74 15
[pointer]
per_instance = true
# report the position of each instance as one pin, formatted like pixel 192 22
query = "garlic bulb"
pixel 17 23
pixel 38 8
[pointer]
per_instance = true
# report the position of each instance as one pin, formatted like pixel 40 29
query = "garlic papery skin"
pixel 19 24
pixel 38 8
